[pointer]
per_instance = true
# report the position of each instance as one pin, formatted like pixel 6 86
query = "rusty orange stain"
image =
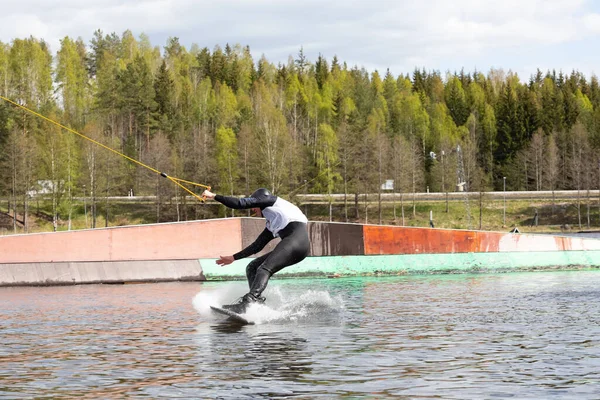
pixel 489 241
pixel 407 240
pixel 563 243
pixel 404 240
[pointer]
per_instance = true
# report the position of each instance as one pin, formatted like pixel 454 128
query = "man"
pixel 284 220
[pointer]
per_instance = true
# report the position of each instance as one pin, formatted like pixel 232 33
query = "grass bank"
pixel 477 213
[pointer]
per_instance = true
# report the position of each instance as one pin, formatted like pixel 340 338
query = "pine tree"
pixel 136 102
pixel 218 66
pixel 301 62
pixel 456 101
pixel 163 89
pixel 321 71
pixel 511 128
pixel 594 92
pixel 204 61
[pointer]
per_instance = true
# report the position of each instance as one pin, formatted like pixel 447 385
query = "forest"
pixel 223 119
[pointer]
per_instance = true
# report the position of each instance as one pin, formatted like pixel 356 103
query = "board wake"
pixel 231 315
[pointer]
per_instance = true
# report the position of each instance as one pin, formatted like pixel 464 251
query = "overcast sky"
pixel 517 35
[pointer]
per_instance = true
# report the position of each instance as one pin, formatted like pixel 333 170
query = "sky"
pixel 516 35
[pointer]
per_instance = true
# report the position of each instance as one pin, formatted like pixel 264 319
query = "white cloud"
pixel 380 33
pixel 592 22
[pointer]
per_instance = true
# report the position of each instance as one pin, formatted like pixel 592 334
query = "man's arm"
pixel 261 241
pixel 245 202
pixel 241 203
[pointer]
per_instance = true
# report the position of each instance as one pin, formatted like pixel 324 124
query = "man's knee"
pixel 264 270
pixel 251 269
pixel 253 265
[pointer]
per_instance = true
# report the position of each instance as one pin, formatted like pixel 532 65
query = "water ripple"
pixel 525 335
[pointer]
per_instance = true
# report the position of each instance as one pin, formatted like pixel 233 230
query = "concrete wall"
pixel 155 252
pixel 173 241
pixel 187 250
pixel 336 239
pixel 65 273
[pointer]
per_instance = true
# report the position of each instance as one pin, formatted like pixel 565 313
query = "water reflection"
pixel 278 356
pixel 266 354
pixel 530 335
pixel 228 326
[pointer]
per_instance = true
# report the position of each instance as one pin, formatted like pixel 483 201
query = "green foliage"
pixel 4 124
pixel 511 123
pixel 227 159
pixel 327 159
pixel 163 89
pixel 321 71
pixel 227 107
pixel 413 120
pixel 137 97
pixel 456 101
pixel 220 118
pixel 30 72
pixel 71 77
pixel 4 68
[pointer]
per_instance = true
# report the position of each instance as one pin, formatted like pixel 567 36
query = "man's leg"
pixel 251 270
pixel 289 251
pixel 253 266
pixel 279 258
pixel 286 253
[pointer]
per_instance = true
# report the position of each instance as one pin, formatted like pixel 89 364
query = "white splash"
pixel 217 296
pixel 281 306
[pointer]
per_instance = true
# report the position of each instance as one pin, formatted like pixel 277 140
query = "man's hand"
pixel 225 260
pixel 208 194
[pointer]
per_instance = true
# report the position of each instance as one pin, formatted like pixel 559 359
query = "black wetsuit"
pixel 292 249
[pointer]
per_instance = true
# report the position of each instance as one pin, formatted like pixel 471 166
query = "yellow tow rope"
pixel 171 178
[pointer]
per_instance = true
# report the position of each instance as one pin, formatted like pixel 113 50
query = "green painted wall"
pixel 416 264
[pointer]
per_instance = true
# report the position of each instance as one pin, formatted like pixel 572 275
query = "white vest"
pixel 280 214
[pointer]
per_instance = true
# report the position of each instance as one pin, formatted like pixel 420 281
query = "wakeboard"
pixel 236 317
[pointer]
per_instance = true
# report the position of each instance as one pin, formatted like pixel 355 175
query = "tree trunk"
pixel 480 209
pixel 394 206
pixel 345 196
pixel 69 188
pixel 588 208
pixel 157 188
pixel 402 207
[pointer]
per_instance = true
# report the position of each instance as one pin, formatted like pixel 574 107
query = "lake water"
pixel 519 335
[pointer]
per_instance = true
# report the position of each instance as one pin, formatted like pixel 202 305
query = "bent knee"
pixel 266 269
